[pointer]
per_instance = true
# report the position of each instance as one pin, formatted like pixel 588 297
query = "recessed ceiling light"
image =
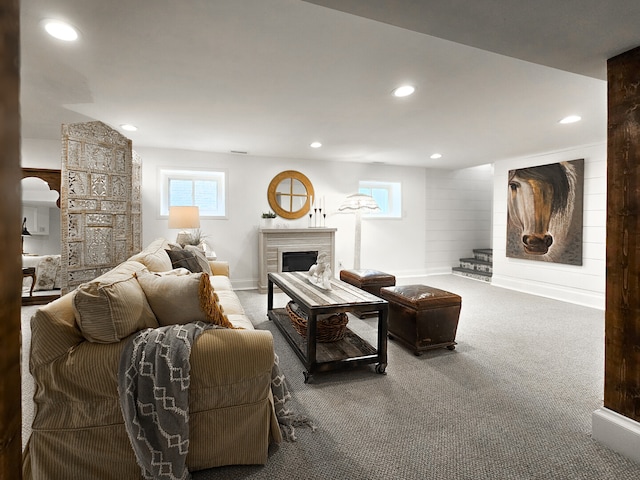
pixel 60 30
pixel 570 119
pixel 404 91
pixel 315 145
pixel 435 156
pixel 128 127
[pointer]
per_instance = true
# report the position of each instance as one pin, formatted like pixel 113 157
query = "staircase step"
pixel 476 265
pixel 465 272
pixel 485 254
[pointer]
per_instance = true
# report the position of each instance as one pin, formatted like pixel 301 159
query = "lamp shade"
pixel 359 201
pixel 184 217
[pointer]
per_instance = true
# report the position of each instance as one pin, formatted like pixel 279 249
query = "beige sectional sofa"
pixel 78 429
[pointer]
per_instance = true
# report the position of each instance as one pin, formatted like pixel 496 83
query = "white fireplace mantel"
pixel 273 242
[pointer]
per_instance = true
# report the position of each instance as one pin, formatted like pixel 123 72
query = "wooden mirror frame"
pixel 273 201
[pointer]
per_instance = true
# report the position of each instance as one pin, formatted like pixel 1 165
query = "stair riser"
pixel 485 257
pixel 475 277
pixel 478 267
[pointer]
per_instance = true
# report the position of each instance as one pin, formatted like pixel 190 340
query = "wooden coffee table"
pixel 349 352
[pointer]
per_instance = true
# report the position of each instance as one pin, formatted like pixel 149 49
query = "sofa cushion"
pixel 184 259
pixel 180 299
pixel 220 283
pixel 240 321
pixel 200 257
pixel 154 256
pixel 113 306
pixel 230 302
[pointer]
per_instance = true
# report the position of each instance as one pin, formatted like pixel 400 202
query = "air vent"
pixel 238 152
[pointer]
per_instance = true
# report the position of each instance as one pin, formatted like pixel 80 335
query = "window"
pixel 204 189
pixel 388 196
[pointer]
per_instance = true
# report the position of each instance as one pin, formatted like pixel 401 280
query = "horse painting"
pixel 544 214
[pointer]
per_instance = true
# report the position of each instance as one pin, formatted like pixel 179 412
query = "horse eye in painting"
pixel 514 186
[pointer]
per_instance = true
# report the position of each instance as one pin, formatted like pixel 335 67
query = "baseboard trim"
pixel 566 294
pixel 620 433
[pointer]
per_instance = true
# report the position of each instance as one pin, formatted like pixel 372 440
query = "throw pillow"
pixel 184 259
pixel 200 257
pixel 180 299
pixel 108 311
pixel 154 256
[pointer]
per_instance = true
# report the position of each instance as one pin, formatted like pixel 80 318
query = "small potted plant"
pixel 197 238
pixel 267 219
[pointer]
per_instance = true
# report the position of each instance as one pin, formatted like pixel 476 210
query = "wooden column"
pixel 10 266
pixel 622 317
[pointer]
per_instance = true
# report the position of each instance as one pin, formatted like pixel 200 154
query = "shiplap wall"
pixel 584 285
pixel 458 215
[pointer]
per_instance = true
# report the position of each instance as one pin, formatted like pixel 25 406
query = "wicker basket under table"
pixel 329 328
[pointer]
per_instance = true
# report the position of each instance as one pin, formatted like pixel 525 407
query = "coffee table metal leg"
pixel 383 314
pixel 312 328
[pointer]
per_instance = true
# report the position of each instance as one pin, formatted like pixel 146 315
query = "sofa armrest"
pixel 219 267
pixel 54 331
pixel 231 367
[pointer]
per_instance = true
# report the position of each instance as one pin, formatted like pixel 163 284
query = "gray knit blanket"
pixel 153 385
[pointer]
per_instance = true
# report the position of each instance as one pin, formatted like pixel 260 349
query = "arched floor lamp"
pixel 357 203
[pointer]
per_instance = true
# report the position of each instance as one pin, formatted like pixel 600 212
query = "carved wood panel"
pixel 100 206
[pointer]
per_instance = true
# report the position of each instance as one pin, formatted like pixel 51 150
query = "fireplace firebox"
pixel 298 261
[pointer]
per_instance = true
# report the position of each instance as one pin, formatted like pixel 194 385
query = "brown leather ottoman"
pixel 421 317
pixel 368 280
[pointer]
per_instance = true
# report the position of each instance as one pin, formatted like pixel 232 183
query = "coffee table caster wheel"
pixel 380 368
pixel 451 347
pixel 307 376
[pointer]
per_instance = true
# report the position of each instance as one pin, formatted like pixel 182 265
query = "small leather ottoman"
pixel 421 317
pixel 368 280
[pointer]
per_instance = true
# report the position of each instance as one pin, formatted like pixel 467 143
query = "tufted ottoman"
pixel 368 280
pixel 421 317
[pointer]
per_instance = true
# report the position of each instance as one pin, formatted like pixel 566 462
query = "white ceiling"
pixel 270 76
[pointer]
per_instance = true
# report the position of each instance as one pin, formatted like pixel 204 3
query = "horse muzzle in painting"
pixel 536 244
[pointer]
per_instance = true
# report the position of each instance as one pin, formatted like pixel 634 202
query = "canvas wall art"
pixel 544 212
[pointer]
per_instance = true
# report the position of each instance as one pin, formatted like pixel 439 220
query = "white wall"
pixel 458 215
pixel 395 246
pixel 46 244
pixel 446 214
pixel 584 284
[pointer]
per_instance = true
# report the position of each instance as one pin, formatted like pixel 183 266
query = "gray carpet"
pixel 513 401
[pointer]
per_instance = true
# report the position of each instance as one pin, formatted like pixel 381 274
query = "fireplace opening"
pixel 298 261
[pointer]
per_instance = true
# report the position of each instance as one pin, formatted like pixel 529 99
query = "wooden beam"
pixel 10 267
pixel 622 316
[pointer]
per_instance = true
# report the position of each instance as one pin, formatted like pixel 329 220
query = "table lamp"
pixel 24 232
pixel 184 218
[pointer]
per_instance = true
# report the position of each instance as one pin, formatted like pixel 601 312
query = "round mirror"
pixel 290 194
